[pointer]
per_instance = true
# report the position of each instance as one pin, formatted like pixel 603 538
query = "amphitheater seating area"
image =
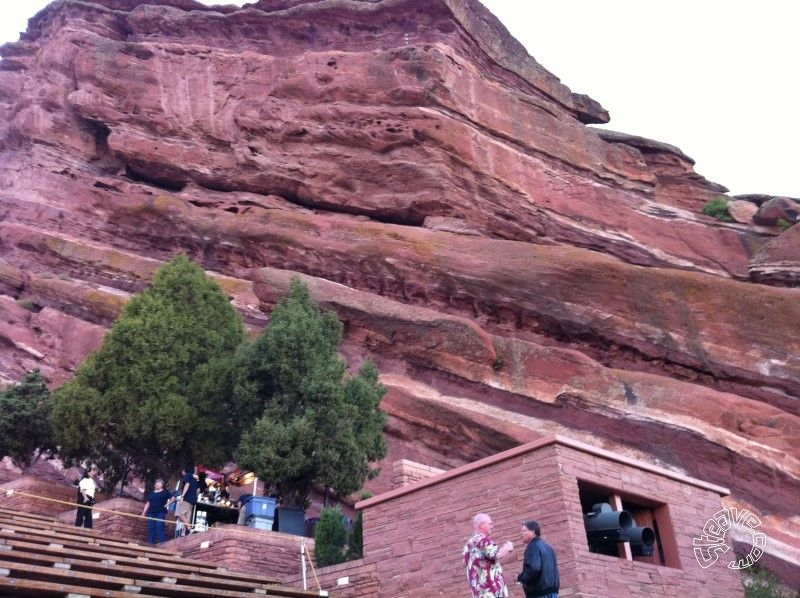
pixel 41 556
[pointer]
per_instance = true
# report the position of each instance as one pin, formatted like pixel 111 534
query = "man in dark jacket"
pixel 539 577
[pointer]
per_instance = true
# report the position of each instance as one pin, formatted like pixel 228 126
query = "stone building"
pixel 414 534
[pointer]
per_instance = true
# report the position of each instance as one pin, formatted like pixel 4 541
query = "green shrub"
pixel 355 546
pixel 718 208
pixel 330 538
pixel 760 583
pixel 784 224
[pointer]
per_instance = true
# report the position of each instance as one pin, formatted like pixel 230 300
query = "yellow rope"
pixel 11 492
pixel 75 505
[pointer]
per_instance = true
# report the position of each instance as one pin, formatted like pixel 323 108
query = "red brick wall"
pixel 38 496
pixel 407 472
pixel 121 518
pixel 689 507
pixel 355 579
pixel 241 548
pixel 42 497
pixel 414 536
pixel 117 517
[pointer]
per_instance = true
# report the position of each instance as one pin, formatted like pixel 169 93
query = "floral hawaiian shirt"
pixel 484 573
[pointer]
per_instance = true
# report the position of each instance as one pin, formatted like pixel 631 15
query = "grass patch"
pixel 718 208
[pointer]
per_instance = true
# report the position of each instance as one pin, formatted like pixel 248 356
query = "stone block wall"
pixel 38 496
pixel 241 548
pixel 689 506
pixel 117 517
pixel 406 472
pixel 121 518
pixel 414 535
pixel 355 579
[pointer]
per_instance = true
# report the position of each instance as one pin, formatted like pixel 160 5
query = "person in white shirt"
pixel 86 490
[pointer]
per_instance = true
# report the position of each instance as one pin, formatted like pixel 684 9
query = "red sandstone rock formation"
pixel 512 271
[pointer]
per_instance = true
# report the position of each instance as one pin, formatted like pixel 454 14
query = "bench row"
pixel 38 556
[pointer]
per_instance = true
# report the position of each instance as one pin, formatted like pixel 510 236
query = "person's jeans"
pixel 156 527
pixel 83 518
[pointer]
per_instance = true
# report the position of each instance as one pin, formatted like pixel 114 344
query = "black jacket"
pixel 539 575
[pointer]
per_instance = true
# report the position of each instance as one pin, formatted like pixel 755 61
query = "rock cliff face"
pixel 512 271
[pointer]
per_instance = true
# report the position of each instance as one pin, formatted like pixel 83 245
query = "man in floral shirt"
pixel 482 560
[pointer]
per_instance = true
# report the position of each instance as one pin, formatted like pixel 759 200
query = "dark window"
pixel 624 525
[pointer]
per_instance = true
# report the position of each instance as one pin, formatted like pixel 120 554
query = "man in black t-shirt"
pixel 188 498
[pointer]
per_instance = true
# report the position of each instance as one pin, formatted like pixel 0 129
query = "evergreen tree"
pixel 157 394
pixel 355 545
pixel 313 424
pixel 25 432
pixel 330 538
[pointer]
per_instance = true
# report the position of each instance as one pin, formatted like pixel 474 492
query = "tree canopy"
pixel 25 432
pixel 157 393
pixel 311 423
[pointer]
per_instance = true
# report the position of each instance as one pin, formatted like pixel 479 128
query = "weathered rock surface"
pixel 742 211
pixel 778 262
pixel 512 271
pixel 778 211
pixel 677 183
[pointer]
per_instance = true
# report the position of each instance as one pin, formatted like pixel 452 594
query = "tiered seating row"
pixel 42 557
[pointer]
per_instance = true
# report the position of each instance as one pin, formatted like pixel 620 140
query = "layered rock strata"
pixel 512 270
